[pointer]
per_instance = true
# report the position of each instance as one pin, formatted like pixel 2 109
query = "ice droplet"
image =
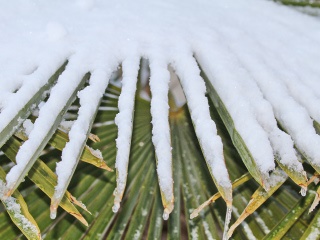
pixel 115 207
pixel 166 213
pixel 53 214
pixel 165 216
pixel 303 191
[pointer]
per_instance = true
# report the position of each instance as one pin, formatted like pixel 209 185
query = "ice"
pixel 165 216
pixel 303 192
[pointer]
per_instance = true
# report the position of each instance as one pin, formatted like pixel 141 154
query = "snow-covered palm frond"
pixel 249 75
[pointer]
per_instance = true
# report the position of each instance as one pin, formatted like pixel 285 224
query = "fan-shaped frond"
pixel 96 94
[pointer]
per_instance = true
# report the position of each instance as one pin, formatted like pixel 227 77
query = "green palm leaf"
pixel 263 205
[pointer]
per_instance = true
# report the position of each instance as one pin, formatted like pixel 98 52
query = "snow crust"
pixel 261 57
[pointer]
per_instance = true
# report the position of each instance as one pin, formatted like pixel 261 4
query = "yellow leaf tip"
pixel 80 218
pixel 194 214
pixel 105 167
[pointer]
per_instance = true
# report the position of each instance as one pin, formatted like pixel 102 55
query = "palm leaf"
pixel 186 163
pixel 263 204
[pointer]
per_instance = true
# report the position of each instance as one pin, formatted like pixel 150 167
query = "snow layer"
pixel 124 121
pixel 194 89
pixel 65 86
pixel 159 85
pixel 89 101
pixel 261 57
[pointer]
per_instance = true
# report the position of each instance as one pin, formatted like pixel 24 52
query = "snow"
pixel 90 98
pixel 194 233
pixel 309 10
pixel 55 31
pixel 207 230
pixel 28 126
pixel 159 85
pixel 67 83
pixel 226 223
pixel 315 232
pixel 12 206
pixel 261 57
pixel 211 144
pixel 65 125
pixel 261 223
pixel 124 121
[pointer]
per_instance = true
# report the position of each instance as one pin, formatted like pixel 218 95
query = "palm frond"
pixel 241 147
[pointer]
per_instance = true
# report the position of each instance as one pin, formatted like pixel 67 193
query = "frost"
pixel 194 233
pixel 207 230
pixel 315 232
pixel 226 223
pixel 245 225
pixel 262 224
